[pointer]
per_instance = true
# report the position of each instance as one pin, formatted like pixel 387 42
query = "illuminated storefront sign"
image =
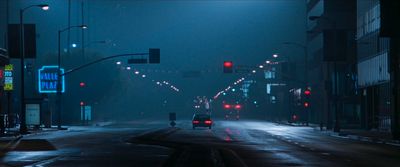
pixel 48 78
pixel 8 77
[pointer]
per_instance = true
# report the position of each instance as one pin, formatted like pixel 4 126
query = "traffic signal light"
pixel 82 84
pixel 307 94
pixel 294 117
pixel 228 67
pixel 154 56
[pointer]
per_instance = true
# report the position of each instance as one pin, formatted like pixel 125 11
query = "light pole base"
pixel 61 128
pixel 23 130
pixel 336 129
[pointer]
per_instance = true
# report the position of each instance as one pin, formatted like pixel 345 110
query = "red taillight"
pixel 227 106
pixel 196 122
pixel 238 107
pixel 208 122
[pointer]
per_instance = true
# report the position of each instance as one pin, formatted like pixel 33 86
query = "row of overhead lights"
pixel 223 92
pixel 267 62
pixel 158 83
pixel 168 84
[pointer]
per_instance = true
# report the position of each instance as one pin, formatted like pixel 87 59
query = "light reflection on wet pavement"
pixel 228 143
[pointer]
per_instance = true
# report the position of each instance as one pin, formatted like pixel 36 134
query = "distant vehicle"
pixel 232 111
pixel 202 120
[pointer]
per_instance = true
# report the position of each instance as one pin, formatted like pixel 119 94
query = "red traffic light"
pixel 228 67
pixel 307 92
pixel 228 64
pixel 82 103
pixel 82 84
pixel 306 104
pixel 227 106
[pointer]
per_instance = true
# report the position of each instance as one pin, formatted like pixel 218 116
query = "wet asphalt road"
pixel 228 143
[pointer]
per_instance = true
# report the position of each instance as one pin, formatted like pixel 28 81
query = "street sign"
pixel 8 77
pixel 47 77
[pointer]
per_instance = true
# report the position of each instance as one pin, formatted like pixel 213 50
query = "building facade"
pixel 373 66
pixel 332 63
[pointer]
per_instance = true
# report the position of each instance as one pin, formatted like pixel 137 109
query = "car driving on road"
pixel 202 120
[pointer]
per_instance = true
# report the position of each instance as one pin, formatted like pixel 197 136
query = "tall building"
pixel 372 67
pixel 332 63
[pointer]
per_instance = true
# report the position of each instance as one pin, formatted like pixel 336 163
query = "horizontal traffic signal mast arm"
pixel 100 60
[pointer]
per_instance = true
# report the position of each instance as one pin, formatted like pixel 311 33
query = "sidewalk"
pixel 372 136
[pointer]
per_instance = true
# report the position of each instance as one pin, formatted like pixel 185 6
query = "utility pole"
pixel 390 28
pixel 395 81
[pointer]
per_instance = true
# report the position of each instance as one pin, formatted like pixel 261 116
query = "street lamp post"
pixel 59 73
pixel 23 129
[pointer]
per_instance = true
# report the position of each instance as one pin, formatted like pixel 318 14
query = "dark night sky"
pixel 192 35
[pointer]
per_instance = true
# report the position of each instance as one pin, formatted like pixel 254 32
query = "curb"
pixel 8 146
pixel 365 139
pixel 347 136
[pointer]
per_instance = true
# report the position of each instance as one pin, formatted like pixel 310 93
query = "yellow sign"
pixel 8 77
pixel 8 87
pixel 9 67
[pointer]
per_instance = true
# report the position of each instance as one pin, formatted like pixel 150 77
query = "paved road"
pixel 229 143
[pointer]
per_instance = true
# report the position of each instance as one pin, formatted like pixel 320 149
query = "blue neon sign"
pixel 47 77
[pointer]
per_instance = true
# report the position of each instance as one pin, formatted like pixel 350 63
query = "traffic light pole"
pixel 395 81
pixel 58 100
pixel 305 82
pixel 308 110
